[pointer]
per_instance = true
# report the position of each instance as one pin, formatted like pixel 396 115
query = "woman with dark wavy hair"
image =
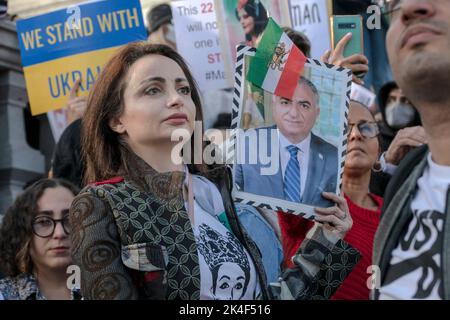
pixel 35 244
pixel 138 225
pixel 253 18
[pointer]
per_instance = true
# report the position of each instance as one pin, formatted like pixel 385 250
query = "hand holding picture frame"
pixel 267 174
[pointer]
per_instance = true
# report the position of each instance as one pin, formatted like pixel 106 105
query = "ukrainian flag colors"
pixel 60 47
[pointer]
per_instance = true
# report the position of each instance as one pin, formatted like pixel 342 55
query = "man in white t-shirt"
pixel 413 238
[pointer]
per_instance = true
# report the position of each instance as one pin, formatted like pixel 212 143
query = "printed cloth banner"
pixel 277 64
pixel 59 47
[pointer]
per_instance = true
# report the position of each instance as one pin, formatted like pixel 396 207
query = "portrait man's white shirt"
pixel 302 156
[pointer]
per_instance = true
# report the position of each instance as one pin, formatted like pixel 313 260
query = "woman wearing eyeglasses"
pixel 35 244
pixel 363 150
pixel 150 225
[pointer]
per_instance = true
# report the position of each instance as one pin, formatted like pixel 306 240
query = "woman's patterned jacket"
pixel 132 239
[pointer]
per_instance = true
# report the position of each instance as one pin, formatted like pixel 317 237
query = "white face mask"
pixel 399 115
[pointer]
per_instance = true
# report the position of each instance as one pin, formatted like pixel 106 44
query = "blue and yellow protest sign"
pixel 62 46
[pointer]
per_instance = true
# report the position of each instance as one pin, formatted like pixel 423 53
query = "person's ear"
pixel 116 125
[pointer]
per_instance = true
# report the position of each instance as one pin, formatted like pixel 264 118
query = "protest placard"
pixel 60 47
pixel 243 22
pixel 261 149
pixel 312 18
pixel 196 20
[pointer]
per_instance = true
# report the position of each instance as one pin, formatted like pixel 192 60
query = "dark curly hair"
pixel 16 231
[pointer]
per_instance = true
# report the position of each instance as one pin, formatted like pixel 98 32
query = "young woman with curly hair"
pixel 35 244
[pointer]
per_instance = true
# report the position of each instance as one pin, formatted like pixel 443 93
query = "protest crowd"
pixel 348 193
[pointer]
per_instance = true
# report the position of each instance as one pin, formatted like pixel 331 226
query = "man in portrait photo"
pixel 307 165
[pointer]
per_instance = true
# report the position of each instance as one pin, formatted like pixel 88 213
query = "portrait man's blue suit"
pixel 321 176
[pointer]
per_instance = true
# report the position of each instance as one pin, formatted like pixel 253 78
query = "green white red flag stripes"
pixel 277 64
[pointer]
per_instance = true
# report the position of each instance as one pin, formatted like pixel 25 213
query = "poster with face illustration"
pixel 226 267
pixel 243 22
pixel 289 151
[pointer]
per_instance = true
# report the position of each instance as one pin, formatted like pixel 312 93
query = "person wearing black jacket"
pixel 67 162
pixel 412 241
pixel 397 113
pixel 400 132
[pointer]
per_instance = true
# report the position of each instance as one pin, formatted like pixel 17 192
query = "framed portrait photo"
pixel 287 151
